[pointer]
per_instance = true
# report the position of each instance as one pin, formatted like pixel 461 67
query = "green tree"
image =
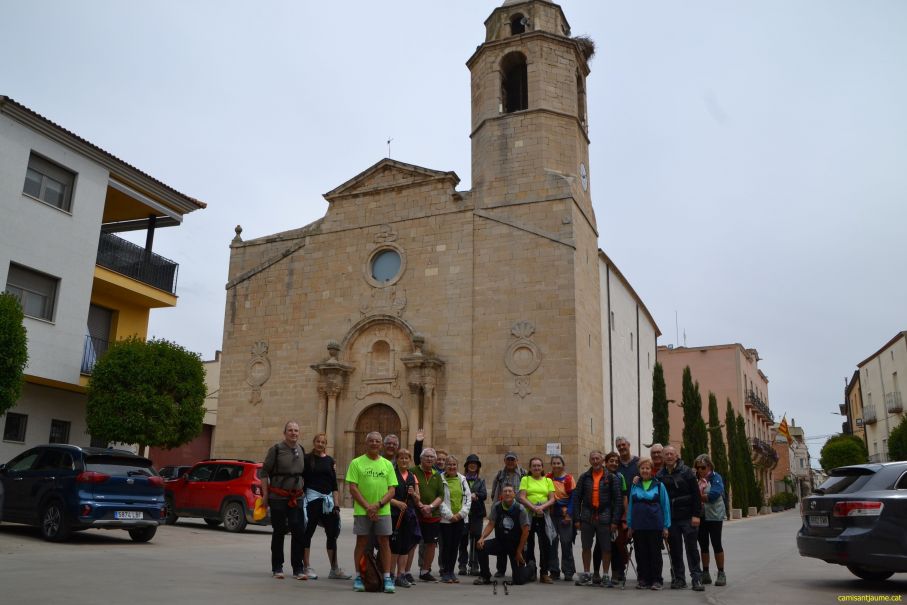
pixel 897 442
pixel 743 443
pixel 716 439
pixel 661 429
pixel 842 450
pixel 149 393
pixel 695 435
pixel 737 470
pixel 14 345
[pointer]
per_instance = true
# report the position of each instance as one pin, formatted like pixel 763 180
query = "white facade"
pixel 43 405
pixel 61 244
pixel 881 377
pixel 629 336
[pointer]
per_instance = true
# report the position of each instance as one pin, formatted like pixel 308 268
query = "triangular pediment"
pixel 389 174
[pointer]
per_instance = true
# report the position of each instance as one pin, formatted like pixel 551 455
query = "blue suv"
pixel 67 488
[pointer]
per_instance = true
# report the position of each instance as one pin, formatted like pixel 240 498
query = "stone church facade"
pixel 474 314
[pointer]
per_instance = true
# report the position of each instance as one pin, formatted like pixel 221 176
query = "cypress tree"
pixel 736 472
pixel 716 439
pixel 752 487
pixel 695 435
pixel 661 430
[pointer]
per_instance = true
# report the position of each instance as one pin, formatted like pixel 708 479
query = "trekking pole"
pixel 670 559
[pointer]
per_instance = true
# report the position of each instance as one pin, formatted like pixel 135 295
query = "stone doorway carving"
pixel 379 417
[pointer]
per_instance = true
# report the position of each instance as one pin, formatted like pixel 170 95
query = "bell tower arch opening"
pixel 514 82
pixel 518 24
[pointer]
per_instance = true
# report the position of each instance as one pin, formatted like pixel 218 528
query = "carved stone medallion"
pixel 259 370
pixel 523 357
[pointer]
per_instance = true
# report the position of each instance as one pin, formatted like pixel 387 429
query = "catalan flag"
pixel 782 428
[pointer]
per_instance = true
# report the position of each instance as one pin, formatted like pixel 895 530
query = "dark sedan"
pixel 66 488
pixel 858 518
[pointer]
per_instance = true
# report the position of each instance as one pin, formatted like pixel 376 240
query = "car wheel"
pixel 171 517
pixel 212 522
pixel 142 534
pixel 54 524
pixel 865 573
pixel 234 516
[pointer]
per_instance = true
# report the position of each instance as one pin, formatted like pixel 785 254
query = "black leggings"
pixel 537 528
pixel 710 530
pixel 315 517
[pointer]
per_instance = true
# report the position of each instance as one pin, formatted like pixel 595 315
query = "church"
pixel 489 317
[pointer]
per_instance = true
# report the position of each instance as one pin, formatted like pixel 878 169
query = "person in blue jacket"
pixel 711 490
pixel 648 520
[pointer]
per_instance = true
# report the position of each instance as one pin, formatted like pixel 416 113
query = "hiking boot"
pixel 706 577
pixel 620 582
pixel 596 579
pixel 642 586
pixel 555 576
pixel 338 574
pixel 409 578
pixel 358 586
pixel 583 579
pixel 568 577
pixel 473 571
pixel 480 581
pixel 389 585
pixel 310 573
pixel 545 579
pixel 606 581
pixel 401 582
pixel 427 577
pixel 721 580
pixel 657 586
pixel 697 586
pixel 678 583
pixel 462 571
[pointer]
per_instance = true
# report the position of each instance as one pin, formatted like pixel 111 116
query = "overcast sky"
pixel 747 160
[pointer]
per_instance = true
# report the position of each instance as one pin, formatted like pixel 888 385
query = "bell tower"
pixel 536 301
pixel 529 126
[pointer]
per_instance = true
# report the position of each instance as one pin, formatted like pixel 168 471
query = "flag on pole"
pixel 782 428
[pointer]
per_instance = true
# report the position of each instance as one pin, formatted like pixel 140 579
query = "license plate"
pixel 128 514
pixel 818 520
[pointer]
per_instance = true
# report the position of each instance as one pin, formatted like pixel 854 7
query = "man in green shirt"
pixel 372 480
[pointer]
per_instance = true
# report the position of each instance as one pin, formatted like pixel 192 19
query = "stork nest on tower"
pixel 586 46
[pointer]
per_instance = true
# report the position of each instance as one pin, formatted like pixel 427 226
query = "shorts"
pixel 431 532
pixel 590 531
pixel 363 526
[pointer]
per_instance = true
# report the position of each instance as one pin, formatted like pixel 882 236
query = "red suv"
pixel 220 491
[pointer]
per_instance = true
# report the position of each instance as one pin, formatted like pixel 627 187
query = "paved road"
pixel 192 563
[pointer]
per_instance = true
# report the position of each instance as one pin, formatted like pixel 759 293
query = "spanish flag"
pixel 782 428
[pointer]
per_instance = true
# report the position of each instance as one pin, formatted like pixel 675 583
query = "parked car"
pixel 173 472
pixel 858 518
pixel 219 491
pixel 66 488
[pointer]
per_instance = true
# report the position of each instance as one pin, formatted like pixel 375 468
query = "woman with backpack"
pixel 648 520
pixel 711 490
pixel 454 516
pixel 406 534
pixel 322 504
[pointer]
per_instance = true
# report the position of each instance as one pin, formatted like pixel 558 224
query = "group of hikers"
pixel 410 504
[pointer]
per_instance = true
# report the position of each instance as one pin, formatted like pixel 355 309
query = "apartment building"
pixel 82 286
pixel 880 376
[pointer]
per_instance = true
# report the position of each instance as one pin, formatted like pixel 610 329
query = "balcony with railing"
pixel 893 403
pixel 869 415
pixel 753 400
pixel 764 454
pixel 133 261
pixel 93 350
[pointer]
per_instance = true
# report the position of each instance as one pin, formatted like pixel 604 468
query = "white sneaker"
pixel 311 573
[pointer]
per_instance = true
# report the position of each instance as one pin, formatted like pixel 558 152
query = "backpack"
pixel 372 578
pixel 525 574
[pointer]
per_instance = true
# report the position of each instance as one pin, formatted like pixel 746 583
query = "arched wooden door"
pixel 378 417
